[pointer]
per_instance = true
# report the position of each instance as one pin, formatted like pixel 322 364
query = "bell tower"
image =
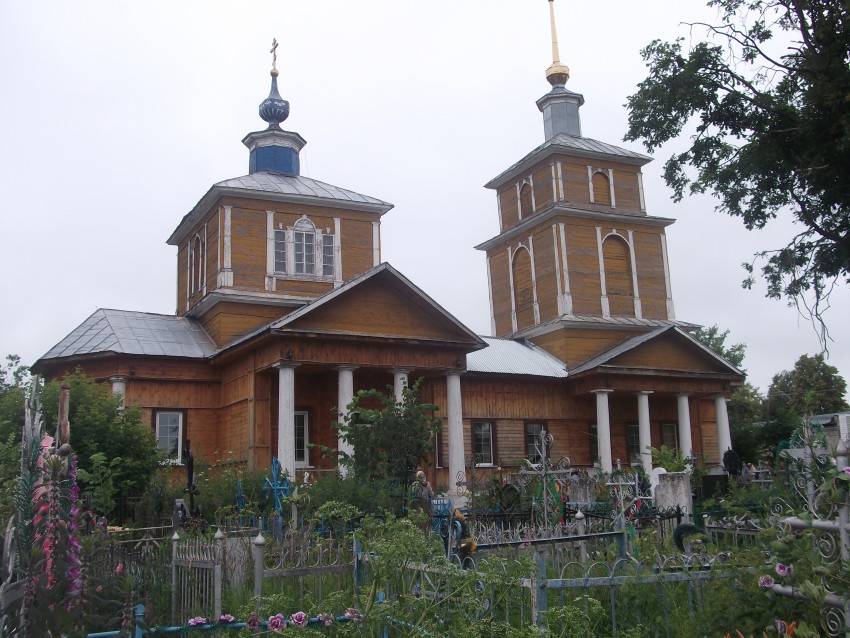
pixel 577 263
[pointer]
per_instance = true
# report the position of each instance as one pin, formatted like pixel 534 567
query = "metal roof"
pixel 576 145
pixel 129 332
pixel 296 185
pixel 506 356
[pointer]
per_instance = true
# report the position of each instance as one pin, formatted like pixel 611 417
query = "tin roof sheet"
pixel 506 356
pixel 268 182
pixel 129 332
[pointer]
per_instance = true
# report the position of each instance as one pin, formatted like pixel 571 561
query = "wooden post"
pixel 63 427
pixel 259 563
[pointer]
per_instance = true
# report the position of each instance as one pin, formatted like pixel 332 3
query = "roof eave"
pixel 544 151
pixel 216 192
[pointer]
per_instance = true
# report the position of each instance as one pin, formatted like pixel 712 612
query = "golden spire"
pixel 273 51
pixel 558 73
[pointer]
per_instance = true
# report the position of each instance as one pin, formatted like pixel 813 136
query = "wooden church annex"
pixel 284 310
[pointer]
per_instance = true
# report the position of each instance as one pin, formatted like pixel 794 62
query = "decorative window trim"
pixel 323 260
pixel 490 432
pixel 181 436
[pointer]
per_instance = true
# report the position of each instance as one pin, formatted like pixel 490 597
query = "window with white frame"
pixel 482 442
pixel 169 433
pixel 327 255
pixel 302 439
pixel 304 236
pixel 197 272
pixel 533 450
pixel 633 443
pixel 280 251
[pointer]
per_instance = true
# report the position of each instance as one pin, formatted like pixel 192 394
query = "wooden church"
pixel 285 310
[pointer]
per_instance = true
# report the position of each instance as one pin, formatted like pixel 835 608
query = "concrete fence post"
pixel 174 539
pixel 217 572
pixel 258 544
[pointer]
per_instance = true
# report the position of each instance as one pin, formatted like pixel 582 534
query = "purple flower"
pixel 326 618
pixel 353 615
pixel 226 618
pixel 253 622
pixel 784 570
pixel 197 620
pixel 766 581
pixel 300 619
pixel 277 623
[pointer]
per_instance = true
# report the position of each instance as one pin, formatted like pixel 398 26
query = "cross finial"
pixel 273 51
pixel 558 73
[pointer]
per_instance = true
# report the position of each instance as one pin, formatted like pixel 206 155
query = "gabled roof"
pixel 138 333
pixel 284 323
pixel 507 356
pixel 279 187
pixel 633 343
pixel 570 145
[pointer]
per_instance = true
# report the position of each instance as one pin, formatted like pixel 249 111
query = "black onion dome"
pixel 274 109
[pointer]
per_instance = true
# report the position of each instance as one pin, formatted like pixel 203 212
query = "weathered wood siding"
pixel 227 321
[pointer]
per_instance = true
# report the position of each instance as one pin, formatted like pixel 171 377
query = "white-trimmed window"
pixel 482 442
pixel 280 251
pixel 532 442
pixel 327 255
pixel 302 439
pixel 304 235
pixel 197 272
pixel 168 425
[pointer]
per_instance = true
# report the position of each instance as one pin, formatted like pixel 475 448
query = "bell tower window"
pixel 280 251
pixel 305 247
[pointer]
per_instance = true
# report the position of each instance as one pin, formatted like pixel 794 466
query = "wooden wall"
pixel 227 321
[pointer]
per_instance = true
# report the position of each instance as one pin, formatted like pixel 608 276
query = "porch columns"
pixel 119 387
pixel 286 418
pixel 603 429
pixel 644 436
pixel 685 443
pixel 454 414
pixel 399 383
pixel 724 437
pixel 345 394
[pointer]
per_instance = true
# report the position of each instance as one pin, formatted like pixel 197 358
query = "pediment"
pixel 382 303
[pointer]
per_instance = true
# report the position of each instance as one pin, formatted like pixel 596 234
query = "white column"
pixel 603 429
pixel 286 418
pixel 399 384
pixel 119 387
pixel 724 437
pixel 644 435
pixel 345 394
pixel 685 444
pixel 454 416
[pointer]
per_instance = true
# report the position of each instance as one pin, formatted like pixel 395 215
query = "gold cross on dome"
pixel 273 51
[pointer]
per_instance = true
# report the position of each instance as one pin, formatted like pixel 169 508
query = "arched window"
pixel 601 189
pixel 523 288
pixel 304 236
pixel 619 286
pixel 197 271
pixel 526 202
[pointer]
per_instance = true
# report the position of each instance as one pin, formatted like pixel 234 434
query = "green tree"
pixel 746 421
pixel 99 424
pixel 812 387
pixel 390 438
pixel 715 340
pixel 14 382
pixel 772 130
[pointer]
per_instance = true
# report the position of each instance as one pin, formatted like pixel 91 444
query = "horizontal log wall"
pixel 227 321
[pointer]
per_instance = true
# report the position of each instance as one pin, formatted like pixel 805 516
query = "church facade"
pixel 285 309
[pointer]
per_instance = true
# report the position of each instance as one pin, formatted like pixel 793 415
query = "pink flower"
pixel 120 569
pixel 226 618
pixel 197 620
pixel 277 623
pixel 784 570
pixel 847 470
pixel 766 581
pixel 253 622
pixel 300 619
pixel 353 615
pixel 326 618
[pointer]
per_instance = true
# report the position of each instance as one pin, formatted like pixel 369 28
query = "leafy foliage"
pixel 812 387
pixel 99 424
pixel 772 130
pixel 715 340
pixel 391 440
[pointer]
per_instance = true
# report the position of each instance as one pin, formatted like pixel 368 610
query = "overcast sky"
pixel 116 117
